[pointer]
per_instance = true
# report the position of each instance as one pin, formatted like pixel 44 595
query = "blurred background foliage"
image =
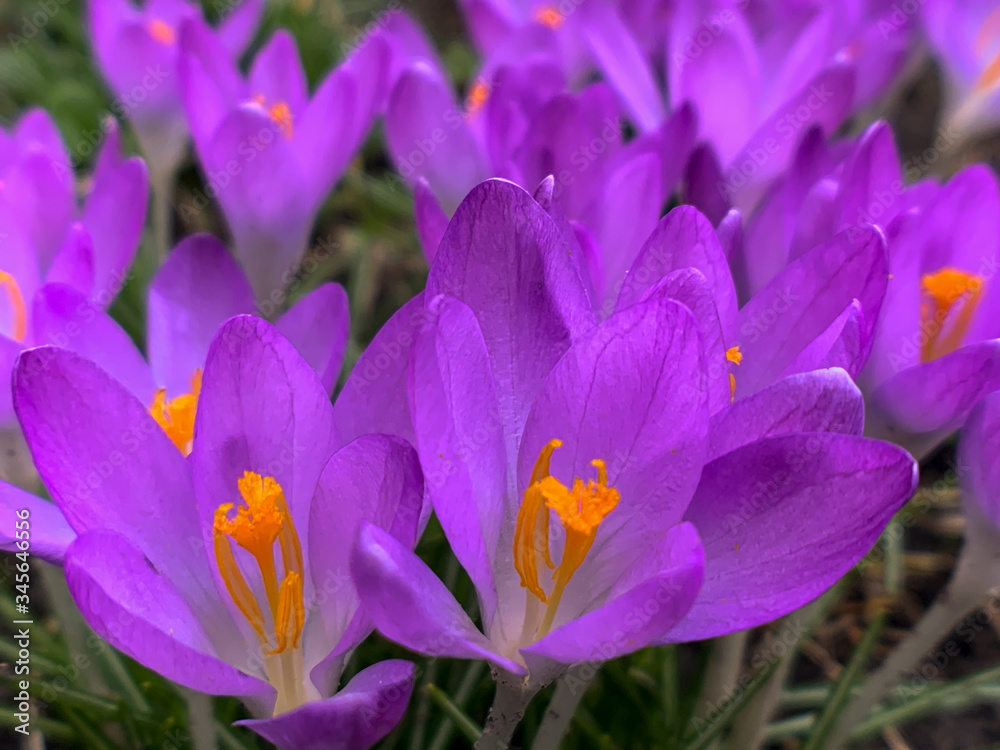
pixel 89 696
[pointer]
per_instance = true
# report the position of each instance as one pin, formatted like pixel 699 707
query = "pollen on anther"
pixel 549 16
pixel 161 31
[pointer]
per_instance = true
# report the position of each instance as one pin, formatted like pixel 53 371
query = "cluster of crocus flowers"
pixel 138 49
pixel 934 351
pixel 237 557
pixel 636 427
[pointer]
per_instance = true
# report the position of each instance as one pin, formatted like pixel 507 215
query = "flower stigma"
pixel 735 356
pixel 280 113
pixel 176 416
pixel 950 299
pixel 20 313
pixel 581 509
pixel 161 31
pixel 258 524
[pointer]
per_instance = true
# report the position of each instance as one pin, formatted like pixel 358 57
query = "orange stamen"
pixel 984 44
pixel 581 509
pixel 950 299
pixel 161 31
pixel 9 285
pixel 734 356
pixel 476 98
pixel 549 16
pixel 258 524
pixel 176 416
pixel 280 113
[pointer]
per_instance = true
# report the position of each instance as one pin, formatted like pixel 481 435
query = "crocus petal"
pixel 702 177
pixel 632 198
pixel 141 612
pixel 114 214
pixel 684 238
pixel 237 29
pixel 197 289
pixel 921 405
pixel 819 401
pixel 762 559
pixel 623 63
pixel 979 457
pixel 429 137
pixel 318 326
pixel 9 349
pixel 277 73
pixel 410 605
pixel 375 479
pixel 38 523
pixel 827 98
pixel 723 81
pixel 872 179
pixel 262 409
pixel 357 717
pixel 74 263
pixel 62 316
pixel 374 398
pixel 503 256
pixel 805 298
pixel 689 287
pixel 631 393
pixel 429 217
pixel 454 402
pixel 669 579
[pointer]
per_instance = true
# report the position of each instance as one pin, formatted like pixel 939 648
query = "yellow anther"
pixel 580 509
pixel 477 97
pixel 176 417
pixel 950 299
pixel 20 312
pixel 161 31
pixel 734 356
pixel 547 15
pixel 280 113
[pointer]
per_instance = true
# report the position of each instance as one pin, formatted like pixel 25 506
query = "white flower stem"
pixel 512 698
pixel 559 715
pixel 201 719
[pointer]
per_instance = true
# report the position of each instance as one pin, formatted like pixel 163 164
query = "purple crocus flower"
pixel 965 38
pixel 588 452
pixel 138 49
pixel 935 350
pixel 229 576
pixel 269 151
pixel 46 238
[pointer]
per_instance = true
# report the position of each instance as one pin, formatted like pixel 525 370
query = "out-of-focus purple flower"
pixel 758 76
pixel 935 350
pixel 138 49
pixel 577 472
pixel 197 289
pixel 269 151
pixel 965 38
pixel 245 591
pixel 48 239
pixel 520 122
